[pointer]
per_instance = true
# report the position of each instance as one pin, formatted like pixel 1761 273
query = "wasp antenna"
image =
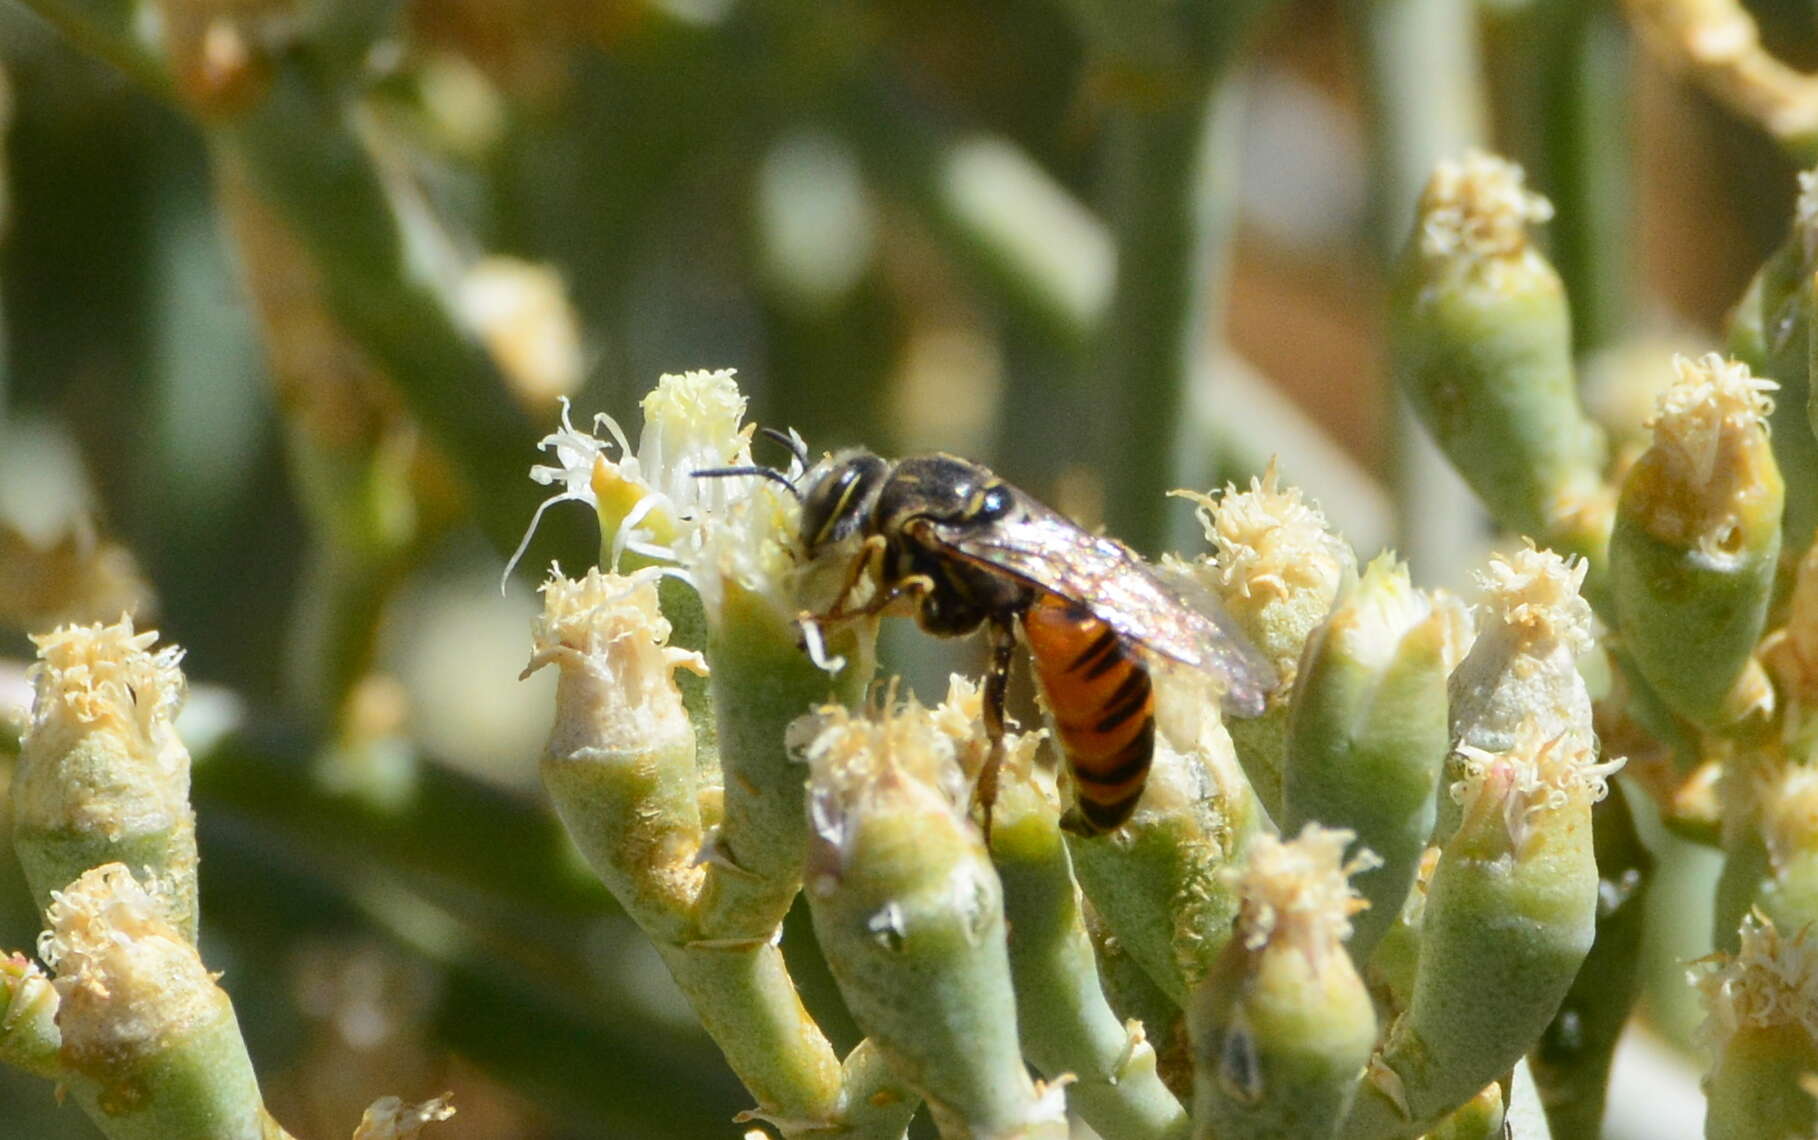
pixel 769 473
pixel 794 445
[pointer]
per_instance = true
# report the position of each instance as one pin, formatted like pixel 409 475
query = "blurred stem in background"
pixel 1172 120
pixel 6 213
pixel 1420 113
pixel 1562 74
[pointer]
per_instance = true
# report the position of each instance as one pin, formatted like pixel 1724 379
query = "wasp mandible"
pixel 969 550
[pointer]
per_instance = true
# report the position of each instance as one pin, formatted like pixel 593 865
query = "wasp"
pixel 969 551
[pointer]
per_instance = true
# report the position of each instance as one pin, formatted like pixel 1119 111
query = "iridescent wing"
pixel 1171 617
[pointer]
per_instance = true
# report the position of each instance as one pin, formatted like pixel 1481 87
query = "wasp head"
pixel 838 503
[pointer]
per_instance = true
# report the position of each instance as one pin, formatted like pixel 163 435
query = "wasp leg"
pixel 912 585
pixel 873 548
pixel 997 686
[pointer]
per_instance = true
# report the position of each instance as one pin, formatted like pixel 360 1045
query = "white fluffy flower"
pixel 653 504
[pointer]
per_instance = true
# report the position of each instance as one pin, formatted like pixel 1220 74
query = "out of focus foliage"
pixel 289 292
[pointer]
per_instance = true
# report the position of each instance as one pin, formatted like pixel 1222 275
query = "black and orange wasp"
pixel 969 550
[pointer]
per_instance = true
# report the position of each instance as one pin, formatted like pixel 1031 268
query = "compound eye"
pixel 994 504
pixel 830 514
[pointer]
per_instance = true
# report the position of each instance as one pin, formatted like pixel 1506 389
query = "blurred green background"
pixel 912 225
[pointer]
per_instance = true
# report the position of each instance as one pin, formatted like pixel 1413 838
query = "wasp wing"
pixel 1174 618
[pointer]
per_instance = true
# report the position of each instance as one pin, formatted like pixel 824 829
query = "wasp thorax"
pixel 838 502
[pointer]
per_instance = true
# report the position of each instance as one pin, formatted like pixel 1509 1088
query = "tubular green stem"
pixel 1064 1021
pixel 1568 61
pixel 1172 190
pixel 337 627
pixel 761 682
pixel 914 159
pixel 1419 115
pixel 451 828
pixel 1586 143
pixel 1571 1062
pixel 1367 743
pixel 744 998
pixel 108 30
pixel 910 915
pixel 364 527
pixel 29 1039
pixel 1159 883
pixel 1754 1090
pixel 302 154
pixel 1769 330
pixel 1130 990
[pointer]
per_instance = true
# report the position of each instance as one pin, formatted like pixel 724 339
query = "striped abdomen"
pixel 1099 693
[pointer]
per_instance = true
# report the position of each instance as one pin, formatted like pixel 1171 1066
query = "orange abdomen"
pixel 1099 692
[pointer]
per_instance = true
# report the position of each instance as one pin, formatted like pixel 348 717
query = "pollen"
pixel 1269 539
pixel 1479 207
pixel 610 639
pixel 1298 893
pixel 1771 980
pixel 1711 403
pixel 126 978
pixel 1536 592
pixel 1539 776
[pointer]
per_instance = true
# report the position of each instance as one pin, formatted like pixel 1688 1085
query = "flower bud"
pixel 1509 916
pixel 1277 566
pixel 1697 543
pixel 1761 1023
pixel 151 1047
pixel 29 1038
pixel 1368 734
pixel 102 775
pixel 1482 345
pixel 1283 1022
pixel 1522 670
pixel 619 765
pixel 909 913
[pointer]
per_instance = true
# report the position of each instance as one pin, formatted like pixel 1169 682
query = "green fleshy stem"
pixel 303 154
pixel 1279 1038
pixel 1365 750
pixel 1062 1014
pixel 1158 882
pixel 635 815
pixel 1501 941
pixel 1480 1118
pixel 29 1038
pixel 1132 992
pixel 98 775
pixel 193 1080
pixel 1782 882
pixel 1486 360
pixel 1691 612
pixel 909 914
pixel 53 858
pixel 762 681
pixel 1754 1089
pixel 1571 1062
pixel 1397 958
pixel 171 1062
pixel 1769 330
pixel 1262 746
